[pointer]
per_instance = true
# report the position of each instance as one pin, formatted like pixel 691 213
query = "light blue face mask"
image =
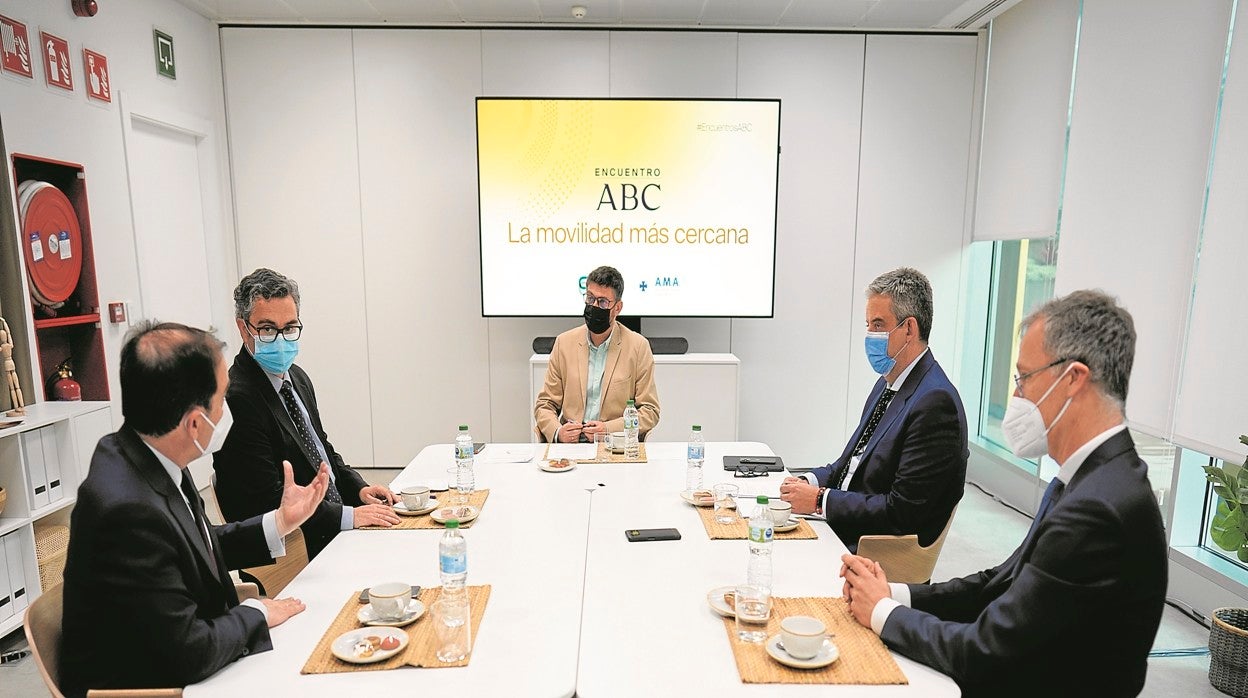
pixel 276 357
pixel 877 350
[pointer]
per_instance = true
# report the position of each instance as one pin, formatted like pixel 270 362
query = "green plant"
pixel 1229 528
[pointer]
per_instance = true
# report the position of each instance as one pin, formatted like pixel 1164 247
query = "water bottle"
pixel 464 479
pixel 632 421
pixel 696 455
pixel 759 572
pixel 453 559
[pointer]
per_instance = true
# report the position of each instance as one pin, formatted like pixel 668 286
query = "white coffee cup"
pixel 389 600
pixel 802 636
pixel 415 497
pixel 780 511
pixel 617 441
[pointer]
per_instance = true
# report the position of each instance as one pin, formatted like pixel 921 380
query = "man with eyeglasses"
pixel 1075 609
pixel 904 469
pixel 276 419
pixel 595 370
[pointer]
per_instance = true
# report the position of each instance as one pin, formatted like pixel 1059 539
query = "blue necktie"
pixel 877 413
pixel 308 442
pixel 1051 495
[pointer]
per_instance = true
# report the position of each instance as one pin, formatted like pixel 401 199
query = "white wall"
pixel 387 160
pixel 52 123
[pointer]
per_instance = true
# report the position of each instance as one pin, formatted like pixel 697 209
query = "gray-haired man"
pixel 276 418
pixel 1075 609
pixel 904 468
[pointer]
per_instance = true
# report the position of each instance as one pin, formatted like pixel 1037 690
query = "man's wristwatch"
pixel 819 501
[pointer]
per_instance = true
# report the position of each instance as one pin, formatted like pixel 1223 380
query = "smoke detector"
pixel 578 11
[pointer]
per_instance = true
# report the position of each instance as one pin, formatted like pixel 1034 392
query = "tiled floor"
pixel 984 533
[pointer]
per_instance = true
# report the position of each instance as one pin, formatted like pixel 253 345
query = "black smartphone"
pixel 364 594
pixel 477 446
pixel 639 534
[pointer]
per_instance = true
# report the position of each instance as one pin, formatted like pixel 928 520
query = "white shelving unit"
pixel 55 439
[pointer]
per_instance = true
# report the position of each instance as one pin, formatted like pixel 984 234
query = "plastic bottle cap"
pixel 463 427
pixel 762 499
pixel 697 427
pixel 630 402
pixel 452 523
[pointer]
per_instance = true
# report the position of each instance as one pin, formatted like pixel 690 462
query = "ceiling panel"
pixel 424 12
pixel 909 13
pixel 676 13
pixel 823 15
pixel 788 14
pixel 754 13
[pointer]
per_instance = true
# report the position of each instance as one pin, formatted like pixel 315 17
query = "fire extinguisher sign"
pixel 56 69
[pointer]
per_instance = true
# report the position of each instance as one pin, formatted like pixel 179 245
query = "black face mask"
pixel 597 319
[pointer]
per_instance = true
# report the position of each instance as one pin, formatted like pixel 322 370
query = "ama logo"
pixel 661 282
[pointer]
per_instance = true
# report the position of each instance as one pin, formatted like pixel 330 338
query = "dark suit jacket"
pixel 146 604
pixel 1072 612
pixel 912 471
pixel 249 465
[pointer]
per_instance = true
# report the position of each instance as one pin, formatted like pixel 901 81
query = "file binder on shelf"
pixel 32 446
pixel 17 573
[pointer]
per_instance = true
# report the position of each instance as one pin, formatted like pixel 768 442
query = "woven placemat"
pixel 740 528
pixel 611 457
pixel 407 523
pixel 421 641
pixel 864 659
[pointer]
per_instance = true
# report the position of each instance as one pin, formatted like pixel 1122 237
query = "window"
pixel 1021 280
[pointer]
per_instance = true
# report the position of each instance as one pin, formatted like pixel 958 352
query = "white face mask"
pixel 1024 425
pixel 219 431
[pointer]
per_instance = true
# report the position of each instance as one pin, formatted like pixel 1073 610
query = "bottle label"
pixel 696 451
pixel 630 422
pixel 761 534
pixel 454 564
pixel 463 451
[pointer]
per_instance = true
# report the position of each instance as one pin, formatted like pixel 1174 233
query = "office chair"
pixel 43 631
pixel 903 559
pixel 273 578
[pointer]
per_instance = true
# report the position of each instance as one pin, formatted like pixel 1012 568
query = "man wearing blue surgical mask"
pixel 904 468
pixel 276 418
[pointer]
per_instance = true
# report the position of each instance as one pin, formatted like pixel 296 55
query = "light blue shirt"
pixel 277 546
pixel 348 513
pixel 597 366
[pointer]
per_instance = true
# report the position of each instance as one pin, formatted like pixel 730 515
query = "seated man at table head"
pixel 148 597
pixel 276 419
pixel 903 470
pixel 595 370
pixel 1075 609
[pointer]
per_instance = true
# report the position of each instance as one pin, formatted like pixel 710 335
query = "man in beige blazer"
pixel 596 369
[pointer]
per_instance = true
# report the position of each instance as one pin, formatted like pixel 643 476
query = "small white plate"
pixel 345 648
pixel 443 514
pixel 827 654
pixel 415 609
pixel 545 465
pixel 789 525
pixel 401 508
pixel 715 597
pixel 699 503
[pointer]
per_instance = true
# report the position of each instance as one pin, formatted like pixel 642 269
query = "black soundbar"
pixel 658 345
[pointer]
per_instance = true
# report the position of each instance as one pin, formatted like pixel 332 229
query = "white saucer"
pixel 827 654
pixel 415 609
pixel 401 508
pixel 343 646
pixel 710 503
pixel 790 525
pixel 715 597
pixel 443 514
pixel 545 465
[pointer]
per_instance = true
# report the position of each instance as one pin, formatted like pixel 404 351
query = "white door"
pixel 167 202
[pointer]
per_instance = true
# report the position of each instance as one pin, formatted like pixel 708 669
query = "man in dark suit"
pixel 904 468
pixel 1075 609
pixel 277 418
pixel 148 598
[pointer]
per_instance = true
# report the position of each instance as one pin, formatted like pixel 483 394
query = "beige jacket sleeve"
pixel 563 391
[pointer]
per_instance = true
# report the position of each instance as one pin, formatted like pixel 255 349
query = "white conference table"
pixel 574 608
